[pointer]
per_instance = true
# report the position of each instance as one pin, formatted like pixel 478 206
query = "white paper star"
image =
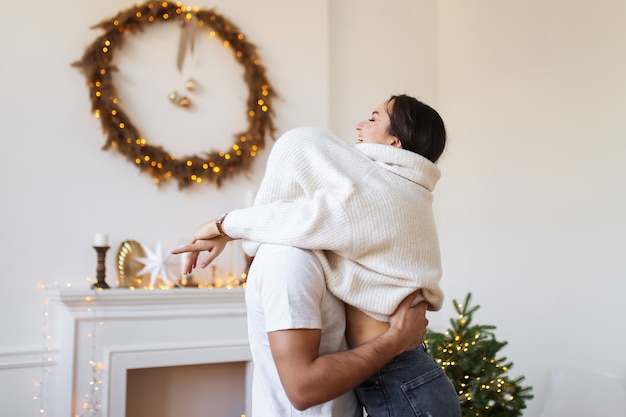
pixel 156 264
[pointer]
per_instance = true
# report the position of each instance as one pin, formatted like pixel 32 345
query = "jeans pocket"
pixel 432 395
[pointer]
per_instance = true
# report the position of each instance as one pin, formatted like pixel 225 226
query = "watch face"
pixel 218 223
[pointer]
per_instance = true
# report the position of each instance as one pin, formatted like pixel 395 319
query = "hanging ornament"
pixel 184 102
pixel 187 35
pixel 191 84
pixel 173 96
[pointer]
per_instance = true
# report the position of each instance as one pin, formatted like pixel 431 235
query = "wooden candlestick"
pixel 101 268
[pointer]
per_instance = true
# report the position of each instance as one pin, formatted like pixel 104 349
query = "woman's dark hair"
pixel 418 126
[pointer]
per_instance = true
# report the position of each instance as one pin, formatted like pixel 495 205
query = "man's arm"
pixel 310 379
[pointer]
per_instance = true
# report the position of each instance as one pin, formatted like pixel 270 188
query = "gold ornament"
pixel 128 266
pixel 173 97
pixel 191 85
pixel 184 102
pixel 188 281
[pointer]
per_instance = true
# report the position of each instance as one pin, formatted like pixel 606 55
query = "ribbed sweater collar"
pixel 407 164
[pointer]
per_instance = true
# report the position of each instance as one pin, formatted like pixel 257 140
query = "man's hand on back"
pixel 408 324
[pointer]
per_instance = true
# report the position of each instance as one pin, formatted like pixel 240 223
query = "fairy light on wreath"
pixel 213 167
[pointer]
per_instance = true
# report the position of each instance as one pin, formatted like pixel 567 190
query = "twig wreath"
pixel 97 66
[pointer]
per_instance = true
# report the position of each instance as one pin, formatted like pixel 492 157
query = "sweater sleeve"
pixel 317 223
pixel 309 176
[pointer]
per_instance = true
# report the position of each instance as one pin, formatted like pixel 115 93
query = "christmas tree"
pixel 467 353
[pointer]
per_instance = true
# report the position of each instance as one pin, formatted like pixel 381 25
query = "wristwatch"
pixel 218 224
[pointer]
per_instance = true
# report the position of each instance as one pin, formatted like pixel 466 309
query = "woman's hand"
pixel 214 246
pixel 207 230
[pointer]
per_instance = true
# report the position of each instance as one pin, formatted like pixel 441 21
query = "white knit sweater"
pixel 365 210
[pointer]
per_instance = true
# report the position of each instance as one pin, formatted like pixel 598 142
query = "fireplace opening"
pixel 203 390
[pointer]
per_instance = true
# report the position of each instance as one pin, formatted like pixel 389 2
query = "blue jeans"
pixel 412 384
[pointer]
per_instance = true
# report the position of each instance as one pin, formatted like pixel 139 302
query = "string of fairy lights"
pixel 91 404
pixel 47 359
pixel 97 65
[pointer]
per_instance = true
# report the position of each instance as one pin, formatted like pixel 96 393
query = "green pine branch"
pixel 469 356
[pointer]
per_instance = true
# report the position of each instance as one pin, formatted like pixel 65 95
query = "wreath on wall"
pixel 213 167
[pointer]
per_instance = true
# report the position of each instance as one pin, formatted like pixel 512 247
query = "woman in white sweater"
pixel 365 210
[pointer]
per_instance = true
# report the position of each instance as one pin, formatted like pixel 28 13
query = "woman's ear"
pixel 395 142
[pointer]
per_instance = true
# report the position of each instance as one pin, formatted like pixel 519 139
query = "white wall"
pixel 533 193
pixel 379 48
pixel 529 205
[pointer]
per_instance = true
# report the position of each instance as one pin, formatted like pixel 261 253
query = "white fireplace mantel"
pixel 124 301
pixel 123 329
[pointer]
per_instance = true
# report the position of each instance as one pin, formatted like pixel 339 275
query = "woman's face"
pixel 376 128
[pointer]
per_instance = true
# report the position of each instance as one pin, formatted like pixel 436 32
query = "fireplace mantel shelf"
pixel 112 296
pixel 122 298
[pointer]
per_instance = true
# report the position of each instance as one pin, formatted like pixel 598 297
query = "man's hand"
pixel 310 379
pixel 214 246
pixel 409 323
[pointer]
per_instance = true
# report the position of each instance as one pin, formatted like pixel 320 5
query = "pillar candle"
pixel 101 239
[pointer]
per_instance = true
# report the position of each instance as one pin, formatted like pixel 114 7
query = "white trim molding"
pixel 27 358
